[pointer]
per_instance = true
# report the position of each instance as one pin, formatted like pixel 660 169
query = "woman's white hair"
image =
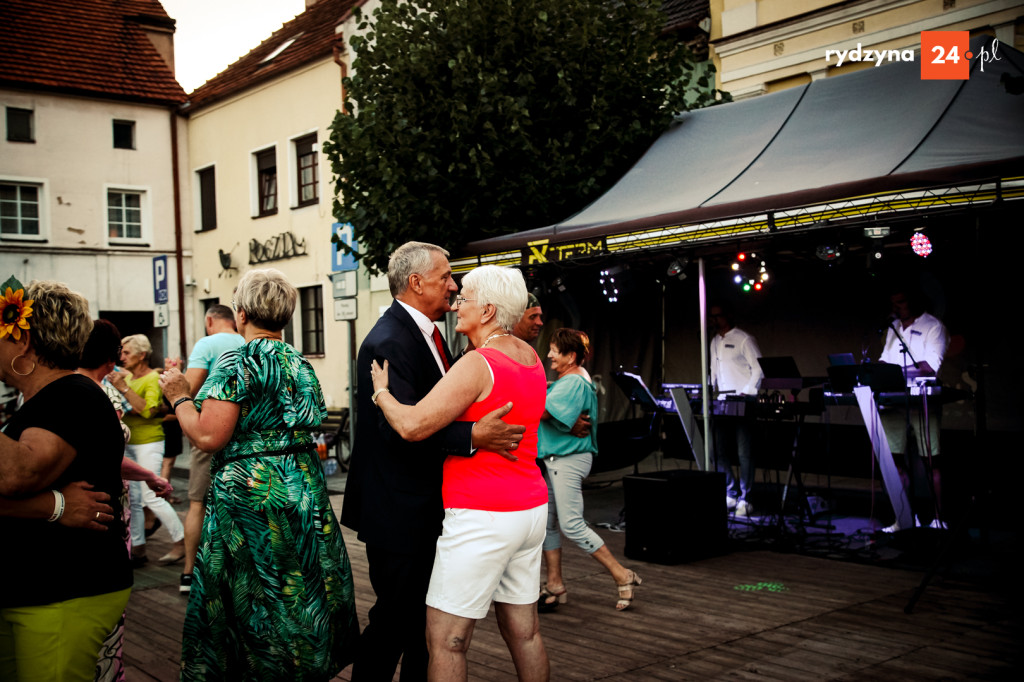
pixel 138 343
pixel 504 288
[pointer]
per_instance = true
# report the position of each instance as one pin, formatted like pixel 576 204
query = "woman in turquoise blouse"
pixel 567 461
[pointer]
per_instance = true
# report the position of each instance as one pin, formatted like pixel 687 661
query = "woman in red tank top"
pixel 495 508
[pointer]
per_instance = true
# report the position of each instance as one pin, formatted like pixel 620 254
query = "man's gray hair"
pixel 504 288
pixel 408 259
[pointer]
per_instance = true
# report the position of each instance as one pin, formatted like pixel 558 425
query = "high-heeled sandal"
pixel 550 600
pixel 626 592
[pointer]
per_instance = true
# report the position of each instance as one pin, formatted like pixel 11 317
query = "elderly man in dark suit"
pixel 393 494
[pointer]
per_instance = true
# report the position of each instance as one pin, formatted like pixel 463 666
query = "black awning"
pixel 873 135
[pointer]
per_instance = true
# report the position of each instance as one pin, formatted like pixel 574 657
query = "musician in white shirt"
pixel 920 353
pixel 734 370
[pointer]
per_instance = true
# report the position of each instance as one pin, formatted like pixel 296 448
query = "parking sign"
pixel 160 279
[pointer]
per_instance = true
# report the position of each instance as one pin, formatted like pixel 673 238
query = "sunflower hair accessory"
pixel 14 309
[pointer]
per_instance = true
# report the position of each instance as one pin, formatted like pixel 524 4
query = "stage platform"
pixel 786 601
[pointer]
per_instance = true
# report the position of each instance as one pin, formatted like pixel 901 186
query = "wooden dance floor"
pixel 746 615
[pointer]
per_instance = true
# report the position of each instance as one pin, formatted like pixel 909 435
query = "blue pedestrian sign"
pixel 340 260
pixel 160 279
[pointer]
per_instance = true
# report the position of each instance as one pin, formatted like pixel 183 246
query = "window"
pixel 266 179
pixel 124 134
pixel 19 125
pixel 311 306
pixel 124 214
pixel 19 210
pixel 207 199
pixel 306 163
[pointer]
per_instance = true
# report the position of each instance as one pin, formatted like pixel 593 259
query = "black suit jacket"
pixel 393 494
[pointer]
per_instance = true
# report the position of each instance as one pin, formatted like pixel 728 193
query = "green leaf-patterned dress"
pixel 272 595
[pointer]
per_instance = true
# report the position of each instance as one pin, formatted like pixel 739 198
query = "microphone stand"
pixel 926 435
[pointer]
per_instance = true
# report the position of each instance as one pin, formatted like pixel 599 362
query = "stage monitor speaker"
pixel 675 516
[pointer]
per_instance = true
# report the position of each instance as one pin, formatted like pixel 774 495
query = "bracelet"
pixel 373 398
pixel 179 401
pixel 58 506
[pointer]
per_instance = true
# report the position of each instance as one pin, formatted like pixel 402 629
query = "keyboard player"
pixel 917 342
pixel 734 371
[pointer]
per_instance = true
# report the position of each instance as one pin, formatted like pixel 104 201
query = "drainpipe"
pixel 178 257
pixel 338 49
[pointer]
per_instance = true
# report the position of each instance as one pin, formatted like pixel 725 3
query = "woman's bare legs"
pixel 520 629
pixel 448 638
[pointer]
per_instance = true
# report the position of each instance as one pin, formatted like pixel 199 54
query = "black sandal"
pixel 549 600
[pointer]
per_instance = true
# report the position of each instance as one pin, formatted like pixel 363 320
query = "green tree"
pixel 469 119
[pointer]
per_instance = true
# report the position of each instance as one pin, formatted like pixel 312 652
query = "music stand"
pixel 682 402
pixel 635 388
pixel 880 376
pixel 780 374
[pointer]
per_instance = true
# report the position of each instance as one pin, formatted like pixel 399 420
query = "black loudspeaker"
pixel 675 516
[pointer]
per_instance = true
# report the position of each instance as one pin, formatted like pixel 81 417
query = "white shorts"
pixel 485 556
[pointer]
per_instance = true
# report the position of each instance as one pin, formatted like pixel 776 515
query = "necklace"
pixel 492 336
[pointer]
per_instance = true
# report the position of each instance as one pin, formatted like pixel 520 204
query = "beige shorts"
pixel 198 474
pixel 894 422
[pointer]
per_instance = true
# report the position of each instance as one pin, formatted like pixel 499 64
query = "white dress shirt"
pixel 734 365
pixel 426 326
pixel 927 338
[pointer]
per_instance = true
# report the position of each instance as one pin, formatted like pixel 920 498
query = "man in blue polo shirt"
pixel 221 336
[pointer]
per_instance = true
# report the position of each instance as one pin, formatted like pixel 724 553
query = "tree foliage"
pixel 469 119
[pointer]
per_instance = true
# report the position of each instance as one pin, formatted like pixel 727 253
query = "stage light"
pixel 830 253
pixel 751 272
pixel 677 267
pixel 609 285
pixel 921 245
pixel 558 283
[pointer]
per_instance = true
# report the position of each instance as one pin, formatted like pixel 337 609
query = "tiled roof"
pixel 683 13
pixel 314 34
pixel 88 47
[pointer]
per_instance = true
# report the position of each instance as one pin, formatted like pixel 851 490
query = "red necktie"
pixel 440 348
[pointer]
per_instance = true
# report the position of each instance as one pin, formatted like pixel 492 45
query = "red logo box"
pixel 945 55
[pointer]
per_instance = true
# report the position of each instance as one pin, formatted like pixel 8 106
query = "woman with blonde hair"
pixel 64 588
pixel 272 594
pixel 139 384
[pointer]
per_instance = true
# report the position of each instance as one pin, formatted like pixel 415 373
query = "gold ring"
pixel 97 516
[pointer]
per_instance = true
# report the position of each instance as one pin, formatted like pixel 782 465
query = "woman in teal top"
pixel 272 595
pixel 567 461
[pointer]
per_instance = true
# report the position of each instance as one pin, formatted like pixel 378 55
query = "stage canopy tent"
pixel 876 144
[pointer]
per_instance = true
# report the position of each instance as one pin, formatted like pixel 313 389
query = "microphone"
pixel 887 324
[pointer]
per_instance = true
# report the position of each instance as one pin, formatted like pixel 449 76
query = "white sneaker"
pixel 744 508
pixel 896 527
pixel 730 502
pixel 938 524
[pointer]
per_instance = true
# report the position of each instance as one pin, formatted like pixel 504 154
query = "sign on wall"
pixel 340 259
pixel 160 279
